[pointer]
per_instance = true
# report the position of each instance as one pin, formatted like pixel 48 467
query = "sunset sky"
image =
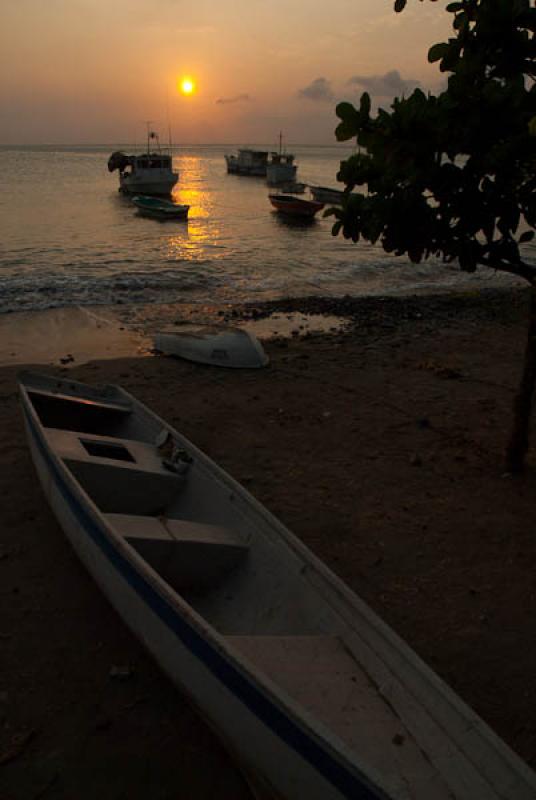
pixel 89 71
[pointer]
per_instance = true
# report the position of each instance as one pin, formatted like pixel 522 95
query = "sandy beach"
pixel 378 440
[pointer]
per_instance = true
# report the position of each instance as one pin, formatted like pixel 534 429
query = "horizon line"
pixel 183 144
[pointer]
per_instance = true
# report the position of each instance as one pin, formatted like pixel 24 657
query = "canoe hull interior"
pixel 305 684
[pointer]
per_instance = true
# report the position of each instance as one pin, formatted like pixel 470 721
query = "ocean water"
pixel 69 238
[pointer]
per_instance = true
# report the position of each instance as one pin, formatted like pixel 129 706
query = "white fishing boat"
pixel 248 162
pixel 281 167
pixel 150 173
pixel 312 692
pixel 276 167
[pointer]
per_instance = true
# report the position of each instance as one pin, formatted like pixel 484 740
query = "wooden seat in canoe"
pixel 120 475
pixel 99 413
pixel 52 392
pixel 188 555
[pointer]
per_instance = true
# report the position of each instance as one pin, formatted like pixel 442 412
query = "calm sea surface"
pixel 67 237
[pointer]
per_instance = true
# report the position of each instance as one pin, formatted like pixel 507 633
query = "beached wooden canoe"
pixel 311 691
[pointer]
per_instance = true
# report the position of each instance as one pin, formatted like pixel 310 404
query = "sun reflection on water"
pixel 190 245
pixel 199 201
pixel 203 233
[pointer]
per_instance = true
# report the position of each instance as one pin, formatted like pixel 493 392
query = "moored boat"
pixel 324 194
pixel 295 206
pixel 316 696
pixel 160 208
pixel 281 167
pixel 149 173
pixel 276 167
pixel 247 162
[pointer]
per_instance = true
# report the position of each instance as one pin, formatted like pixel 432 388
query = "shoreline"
pixel 378 444
pixel 76 334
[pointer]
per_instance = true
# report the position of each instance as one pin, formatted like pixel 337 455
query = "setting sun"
pixel 187 86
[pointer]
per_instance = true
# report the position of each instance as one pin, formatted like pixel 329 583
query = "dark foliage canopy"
pixel 453 175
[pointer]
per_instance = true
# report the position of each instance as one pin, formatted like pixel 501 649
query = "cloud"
pixel 319 90
pixel 389 85
pixel 237 98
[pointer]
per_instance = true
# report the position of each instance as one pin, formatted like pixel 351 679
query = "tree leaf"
pixel 364 106
pixel 438 51
pixel 345 111
pixel 344 131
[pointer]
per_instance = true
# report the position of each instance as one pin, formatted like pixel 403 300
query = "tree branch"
pixel 520 269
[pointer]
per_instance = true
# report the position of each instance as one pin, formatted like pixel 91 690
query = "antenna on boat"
pixel 148 124
pixel 168 123
pixel 280 142
pixel 151 135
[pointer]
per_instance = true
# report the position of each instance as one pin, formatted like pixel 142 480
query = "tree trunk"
pixel 519 441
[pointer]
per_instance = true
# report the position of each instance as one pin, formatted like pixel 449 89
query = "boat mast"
pixel 169 124
pixel 148 123
pixel 152 135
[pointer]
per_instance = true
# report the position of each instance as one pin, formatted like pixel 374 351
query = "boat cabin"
pixel 282 158
pixel 248 162
pixel 151 161
pixel 252 158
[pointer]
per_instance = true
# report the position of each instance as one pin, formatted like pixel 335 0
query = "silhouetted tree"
pixel 454 175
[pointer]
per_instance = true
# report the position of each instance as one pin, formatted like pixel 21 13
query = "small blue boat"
pixel 159 208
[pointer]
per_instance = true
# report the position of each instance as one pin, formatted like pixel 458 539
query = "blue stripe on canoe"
pixel 350 785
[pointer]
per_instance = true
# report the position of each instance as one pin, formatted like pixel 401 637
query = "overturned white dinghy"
pixel 213 344
pixel 311 691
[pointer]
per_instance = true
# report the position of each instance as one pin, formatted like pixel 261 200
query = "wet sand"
pixel 379 445
pixel 67 335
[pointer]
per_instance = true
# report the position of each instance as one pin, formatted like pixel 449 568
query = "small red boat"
pixel 295 206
